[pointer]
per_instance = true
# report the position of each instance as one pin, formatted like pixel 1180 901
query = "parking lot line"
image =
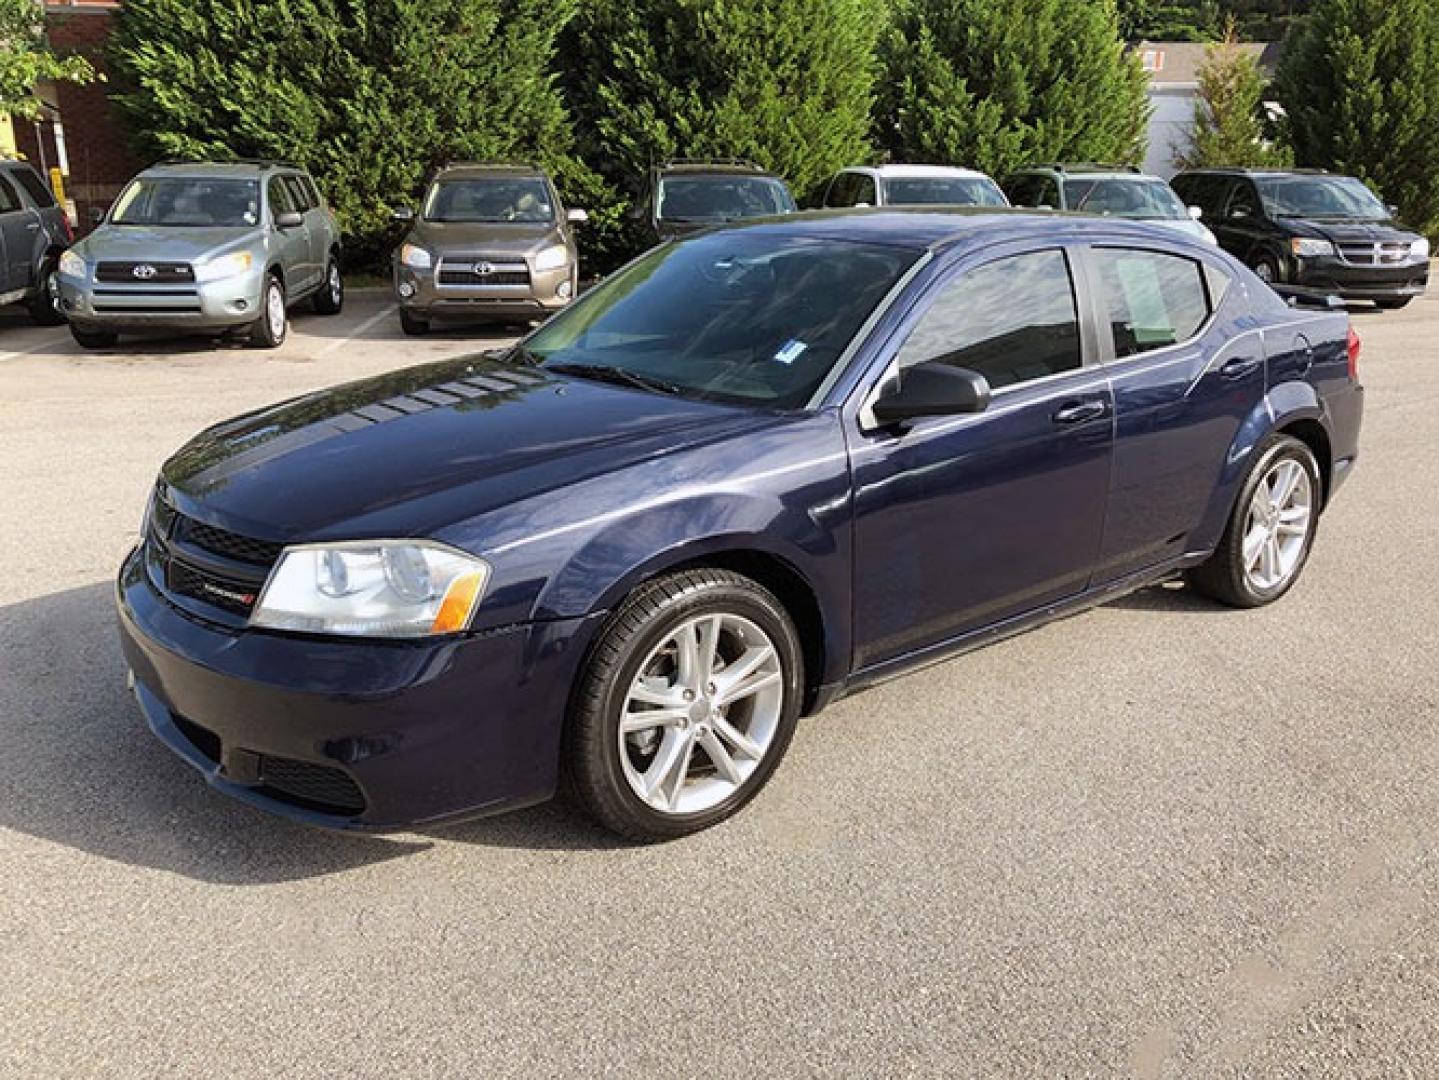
pixel 41 347
pixel 359 331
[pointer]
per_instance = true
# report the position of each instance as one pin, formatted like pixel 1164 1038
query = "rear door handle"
pixel 1239 369
pixel 1081 411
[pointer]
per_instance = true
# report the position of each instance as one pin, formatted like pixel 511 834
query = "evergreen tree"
pixel 1229 128
pixel 1360 83
pixel 368 94
pixel 787 85
pixel 26 59
pixel 998 84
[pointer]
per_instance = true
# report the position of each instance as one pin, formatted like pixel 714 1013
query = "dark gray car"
pixel 33 232
pixel 205 248
pixel 491 243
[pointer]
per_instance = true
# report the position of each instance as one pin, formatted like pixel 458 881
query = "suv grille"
pixel 480 270
pixel 1375 254
pixel 164 273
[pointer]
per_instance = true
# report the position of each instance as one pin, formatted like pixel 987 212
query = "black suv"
pixel 685 196
pixel 1311 231
pixel 33 232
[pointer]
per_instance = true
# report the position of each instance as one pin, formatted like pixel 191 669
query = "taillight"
pixel 69 229
pixel 1354 348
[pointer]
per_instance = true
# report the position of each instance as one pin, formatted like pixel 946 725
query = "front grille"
pixel 180 549
pixel 479 271
pixel 231 545
pixel 1375 254
pixel 228 594
pixel 164 273
pixel 315 787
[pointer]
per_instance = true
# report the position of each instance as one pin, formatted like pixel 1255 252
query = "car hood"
pixel 506 238
pixel 1340 231
pixel 408 453
pixel 130 243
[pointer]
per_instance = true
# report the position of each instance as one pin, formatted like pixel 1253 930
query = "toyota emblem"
pixel 144 271
pixel 484 269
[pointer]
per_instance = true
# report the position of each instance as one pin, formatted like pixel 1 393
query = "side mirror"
pixel 1393 210
pixel 935 388
pixel 290 219
pixel 1196 212
pixel 402 214
pixel 577 217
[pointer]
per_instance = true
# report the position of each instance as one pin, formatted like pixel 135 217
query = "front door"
pixel 963 522
pixel 293 244
pixel 18 229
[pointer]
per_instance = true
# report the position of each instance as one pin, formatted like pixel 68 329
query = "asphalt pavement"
pixel 1160 839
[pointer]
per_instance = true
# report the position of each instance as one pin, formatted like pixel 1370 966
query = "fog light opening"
pixel 563 292
pixel 406 290
pixel 241 305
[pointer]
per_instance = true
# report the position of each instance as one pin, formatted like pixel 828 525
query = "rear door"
pixel 19 227
pixel 962 522
pixel 1242 228
pixel 1186 371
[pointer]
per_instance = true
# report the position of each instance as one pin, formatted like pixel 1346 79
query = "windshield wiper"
pixel 619 376
pixel 523 355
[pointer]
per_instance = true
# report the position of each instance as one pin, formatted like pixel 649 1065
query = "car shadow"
pixel 1170 596
pixel 79 767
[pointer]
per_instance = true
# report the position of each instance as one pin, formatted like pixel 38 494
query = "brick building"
pixel 81 133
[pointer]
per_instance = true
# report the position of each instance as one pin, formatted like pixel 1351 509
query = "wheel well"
pixel 276 271
pixel 790 589
pixel 1312 434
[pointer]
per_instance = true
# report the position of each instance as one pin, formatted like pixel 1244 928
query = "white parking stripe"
pixel 34 348
pixel 359 331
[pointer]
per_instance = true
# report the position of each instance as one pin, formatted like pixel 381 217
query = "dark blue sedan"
pixel 753 471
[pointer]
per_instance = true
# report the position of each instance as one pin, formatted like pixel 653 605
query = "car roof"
pixel 477 170
pixel 245 170
pixel 1232 170
pixel 944 228
pixel 919 171
pixel 1089 172
pixel 715 168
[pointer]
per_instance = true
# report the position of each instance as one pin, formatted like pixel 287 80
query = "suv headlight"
pixel 416 257
pixel 226 266
pixel 372 588
pixel 1419 249
pixel 1307 248
pixel 552 258
pixel 71 265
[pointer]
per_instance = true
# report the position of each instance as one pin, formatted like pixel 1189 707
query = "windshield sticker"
pixel 790 351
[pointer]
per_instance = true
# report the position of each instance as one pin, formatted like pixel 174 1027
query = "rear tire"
pixel 413 326
pixel 273 326
pixel 45 309
pixel 1271 529
pixel 1268 271
pixel 660 744
pixel 330 300
pixel 94 339
pixel 1393 305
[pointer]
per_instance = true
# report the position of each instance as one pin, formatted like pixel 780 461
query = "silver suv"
pixel 206 248
pixel 33 233
pixel 491 243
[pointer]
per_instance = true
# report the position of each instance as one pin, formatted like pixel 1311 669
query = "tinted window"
pixel 182 201
pixel 32 183
pixel 943 191
pixel 1244 202
pixel 841 190
pixel 1024 190
pixel 1202 190
pixel 1011 320
pixel 281 200
pixel 1153 299
pixel 9 198
pixel 736 316
pixel 298 195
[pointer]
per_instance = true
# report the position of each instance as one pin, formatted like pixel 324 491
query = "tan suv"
pixel 491 243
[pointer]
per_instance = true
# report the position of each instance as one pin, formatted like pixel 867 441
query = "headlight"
pixel 415 257
pixel 1305 247
pixel 226 266
pixel 552 258
pixel 1419 249
pixel 71 265
pixel 372 588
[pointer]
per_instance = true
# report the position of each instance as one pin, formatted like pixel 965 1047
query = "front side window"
pixel 299 197
pixel 943 191
pixel 174 201
pixel 9 197
pixel 490 200
pixel 1012 320
pixel 36 187
pixel 1141 200
pixel 1244 203
pixel 1340 197
pixel 1153 299
pixel 282 199
pixel 721 198
pixel 735 316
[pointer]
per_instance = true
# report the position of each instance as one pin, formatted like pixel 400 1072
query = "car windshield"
pixel 1145 200
pixel 180 201
pixel 943 191
pixel 722 198
pixel 735 316
pixel 490 199
pixel 1321 197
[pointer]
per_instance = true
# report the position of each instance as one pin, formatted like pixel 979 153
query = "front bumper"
pixel 367 735
pixel 420 293
pixel 213 305
pixel 1332 276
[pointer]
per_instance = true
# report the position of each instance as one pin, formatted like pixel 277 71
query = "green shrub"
pixel 368 94
pixel 999 84
pixel 1229 126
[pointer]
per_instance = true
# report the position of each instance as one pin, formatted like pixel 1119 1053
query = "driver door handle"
pixel 1239 369
pixel 1080 411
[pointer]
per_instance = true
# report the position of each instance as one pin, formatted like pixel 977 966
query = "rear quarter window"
pixel 1153 299
pixel 36 187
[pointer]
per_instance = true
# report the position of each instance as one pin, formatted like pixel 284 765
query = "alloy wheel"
pixel 701 713
pixel 275 311
pixel 1276 529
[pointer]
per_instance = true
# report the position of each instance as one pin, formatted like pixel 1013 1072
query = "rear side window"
pixel 310 191
pixel 1153 299
pixel 9 197
pixel 32 183
pixel 1012 320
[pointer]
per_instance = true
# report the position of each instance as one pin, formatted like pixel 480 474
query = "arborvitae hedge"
pixel 998 84
pixel 369 94
pixel 1360 82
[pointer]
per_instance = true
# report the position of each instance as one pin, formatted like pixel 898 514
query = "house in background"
pixel 1173 68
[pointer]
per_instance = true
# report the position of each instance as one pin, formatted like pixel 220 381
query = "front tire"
pixel 45 309
pixel 1271 529
pixel 273 326
pixel 94 339
pixel 412 325
pixel 330 300
pixel 686 706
